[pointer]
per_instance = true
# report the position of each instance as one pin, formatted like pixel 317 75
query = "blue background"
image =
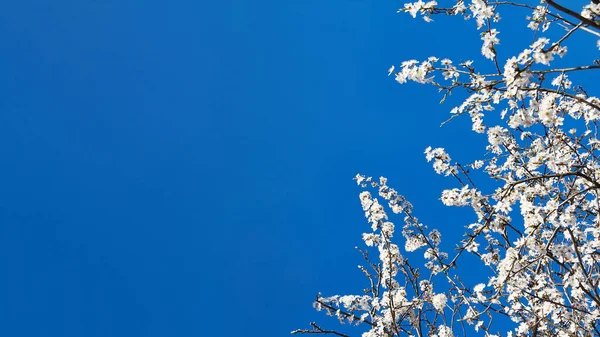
pixel 184 168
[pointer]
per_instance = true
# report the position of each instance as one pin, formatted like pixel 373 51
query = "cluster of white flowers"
pixel 537 227
pixel 591 11
pixel 441 161
pixel 490 39
pixel 539 17
pixel 460 197
pixel 443 331
pixel 419 7
pixel 481 11
pixel 413 71
pixel 439 302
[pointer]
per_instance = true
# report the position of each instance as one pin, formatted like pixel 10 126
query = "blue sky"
pixel 184 168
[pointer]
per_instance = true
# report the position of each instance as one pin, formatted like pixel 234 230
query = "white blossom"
pixel 490 38
pixel 439 302
pixel 531 245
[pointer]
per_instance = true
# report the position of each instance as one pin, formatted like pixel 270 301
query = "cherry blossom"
pixel 537 216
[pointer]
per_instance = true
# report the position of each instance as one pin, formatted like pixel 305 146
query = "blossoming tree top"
pixel 538 231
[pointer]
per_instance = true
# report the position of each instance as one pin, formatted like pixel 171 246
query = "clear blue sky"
pixel 184 168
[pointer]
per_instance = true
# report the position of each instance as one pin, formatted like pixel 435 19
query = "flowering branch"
pixel 537 227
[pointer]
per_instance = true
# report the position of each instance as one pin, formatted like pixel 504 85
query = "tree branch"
pixel 318 329
pixel 573 14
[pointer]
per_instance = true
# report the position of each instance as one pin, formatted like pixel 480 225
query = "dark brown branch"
pixel 342 312
pixel 318 329
pixel 573 14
